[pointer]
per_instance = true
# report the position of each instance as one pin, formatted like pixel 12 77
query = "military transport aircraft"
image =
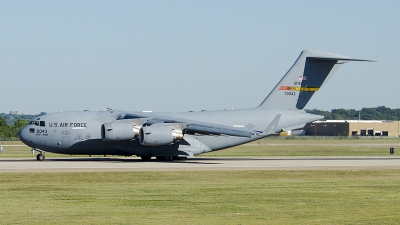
pixel 169 136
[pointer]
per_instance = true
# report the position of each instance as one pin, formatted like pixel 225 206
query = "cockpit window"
pixel 38 123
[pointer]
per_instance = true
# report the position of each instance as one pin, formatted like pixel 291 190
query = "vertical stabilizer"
pixel 307 75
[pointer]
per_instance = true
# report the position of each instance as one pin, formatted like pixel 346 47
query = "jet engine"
pixel 118 131
pixel 159 135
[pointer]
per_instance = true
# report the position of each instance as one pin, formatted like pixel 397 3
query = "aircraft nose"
pixel 23 135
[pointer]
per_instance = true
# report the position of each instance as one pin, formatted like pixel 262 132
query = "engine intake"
pixel 157 135
pixel 118 131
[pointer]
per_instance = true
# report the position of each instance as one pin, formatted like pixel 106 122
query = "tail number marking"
pixel 290 93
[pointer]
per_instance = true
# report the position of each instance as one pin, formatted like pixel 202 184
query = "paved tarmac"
pixel 199 163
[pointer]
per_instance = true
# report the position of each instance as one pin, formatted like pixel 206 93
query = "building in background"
pixel 387 128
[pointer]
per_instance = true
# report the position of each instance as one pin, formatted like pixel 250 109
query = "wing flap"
pixel 273 125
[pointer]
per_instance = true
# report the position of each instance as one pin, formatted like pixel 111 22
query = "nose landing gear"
pixel 40 156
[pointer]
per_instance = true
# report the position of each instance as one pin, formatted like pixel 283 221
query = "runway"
pixel 199 163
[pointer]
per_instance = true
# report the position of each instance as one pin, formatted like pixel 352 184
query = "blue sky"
pixel 190 55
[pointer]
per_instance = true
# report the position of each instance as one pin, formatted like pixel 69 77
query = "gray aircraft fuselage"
pixel 80 132
pixel 148 134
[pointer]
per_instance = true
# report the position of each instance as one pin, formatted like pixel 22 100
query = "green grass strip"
pixel 201 197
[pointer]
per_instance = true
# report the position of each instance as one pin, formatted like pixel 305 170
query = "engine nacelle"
pixel 158 135
pixel 118 131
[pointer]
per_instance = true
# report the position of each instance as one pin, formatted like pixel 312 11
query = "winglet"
pixel 272 126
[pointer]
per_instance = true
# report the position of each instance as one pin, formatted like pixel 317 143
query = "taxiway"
pixel 199 163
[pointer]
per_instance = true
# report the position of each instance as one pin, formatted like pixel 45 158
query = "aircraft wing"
pixel 220 129
pixel 233 131
pixel 194 126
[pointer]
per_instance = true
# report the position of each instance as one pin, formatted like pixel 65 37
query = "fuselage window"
pixel 42 124
pixel 32 130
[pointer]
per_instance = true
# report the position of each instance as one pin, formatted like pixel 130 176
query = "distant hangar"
pixel 386 128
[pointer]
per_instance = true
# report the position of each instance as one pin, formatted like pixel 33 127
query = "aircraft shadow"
pixel 126 160
pixel 196 160
pixel 293 158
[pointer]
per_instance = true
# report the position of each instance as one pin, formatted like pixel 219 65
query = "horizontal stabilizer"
pixel 342 59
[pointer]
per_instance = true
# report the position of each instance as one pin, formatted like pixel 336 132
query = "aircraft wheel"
pixel 40 157
pixel 164 158
pixel 145 158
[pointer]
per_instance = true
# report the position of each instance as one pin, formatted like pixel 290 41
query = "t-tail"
pixel 307 75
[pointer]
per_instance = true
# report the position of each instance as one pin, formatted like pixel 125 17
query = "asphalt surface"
pixel 199 163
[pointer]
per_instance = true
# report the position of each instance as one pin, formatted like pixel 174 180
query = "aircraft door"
pixel 65 142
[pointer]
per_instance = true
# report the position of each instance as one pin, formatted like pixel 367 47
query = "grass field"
pixel 202 197
pixel 211 197
pixel 274 146
pixel 313 146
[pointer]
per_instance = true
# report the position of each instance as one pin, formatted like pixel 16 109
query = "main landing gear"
pixel 163 158
pixel 146 158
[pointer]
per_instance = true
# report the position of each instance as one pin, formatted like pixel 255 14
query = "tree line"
pixel 377 113
pixel 11 118
pixel 10 125
pixel 7 130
